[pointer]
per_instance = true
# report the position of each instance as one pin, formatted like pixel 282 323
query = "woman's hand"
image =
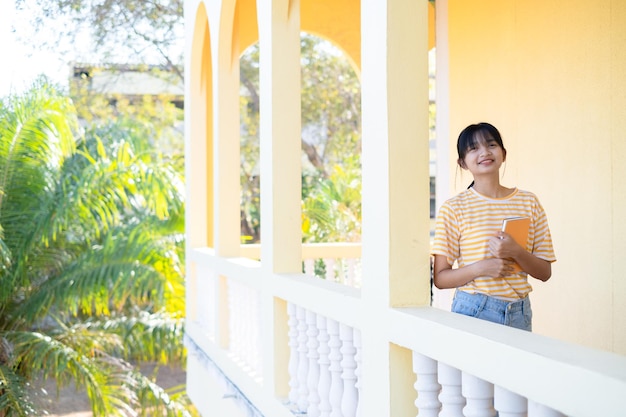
pixel 496 267
pixel 503 246
pixel 446 277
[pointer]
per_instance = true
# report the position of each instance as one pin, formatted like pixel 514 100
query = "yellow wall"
pixel 551 76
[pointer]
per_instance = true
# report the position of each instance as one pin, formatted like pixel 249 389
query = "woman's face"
pixel 483 156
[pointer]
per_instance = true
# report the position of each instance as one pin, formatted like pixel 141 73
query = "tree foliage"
pixel 331 142
pixel 134 31
pixel 91 258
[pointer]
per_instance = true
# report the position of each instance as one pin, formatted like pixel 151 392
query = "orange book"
pixel 517 228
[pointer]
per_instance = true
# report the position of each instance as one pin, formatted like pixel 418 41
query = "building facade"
pixel 266 338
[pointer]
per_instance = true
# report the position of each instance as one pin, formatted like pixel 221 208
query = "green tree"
pixel 134 31
pixel 91 259
pixel 331 142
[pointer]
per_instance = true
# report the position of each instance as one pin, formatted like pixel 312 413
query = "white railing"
pixel 335 262
pixel 444 391
pixel 509 373
pixel 322 366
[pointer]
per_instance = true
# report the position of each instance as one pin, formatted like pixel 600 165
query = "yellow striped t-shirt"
pixel 466 222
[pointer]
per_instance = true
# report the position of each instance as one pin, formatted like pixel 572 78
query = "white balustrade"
pixel 325 376
pixel 303 364
pixel 336 384
pixel 478 394
pixel 323 349
pixel 254 348
pixel 509 404
pixel 426 385
pixel 309 267
pixel 330 269
pixel 313 367
pixel 246 327
pixel 357 371
pixel 539 410
pixel 345 271
pixel 233 318
pixel 293 353
pixel 451 398
pixel 350 396
pixel 207 300
pixel 351 272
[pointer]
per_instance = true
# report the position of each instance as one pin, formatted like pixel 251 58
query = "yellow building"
pixel 267 339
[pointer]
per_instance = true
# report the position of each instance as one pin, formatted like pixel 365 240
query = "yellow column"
pixel 396 268
pixel 281 235
pixel 198 152
pixel 226 160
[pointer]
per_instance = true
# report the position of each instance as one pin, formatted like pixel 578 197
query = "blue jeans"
pixel 516 314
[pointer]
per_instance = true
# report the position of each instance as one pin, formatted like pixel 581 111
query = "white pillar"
pixel 324 362
pixel 336 384
pixel 350 397
pixel 314 367
pixel 426 386
pixel 479 396
pixel 509 404
pixel 293 353
pixel 452 400
pixel 303 364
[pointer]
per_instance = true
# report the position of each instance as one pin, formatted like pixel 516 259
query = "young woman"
pixel 469 233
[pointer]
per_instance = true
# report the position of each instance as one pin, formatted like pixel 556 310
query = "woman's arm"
pixel 503 246
pixel 446 277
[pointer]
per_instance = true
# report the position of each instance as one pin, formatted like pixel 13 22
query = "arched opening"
pixel 330 138
pixel 199 173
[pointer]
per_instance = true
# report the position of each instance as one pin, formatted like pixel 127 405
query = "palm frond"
pixel 155 401
pixel 37 353
pixel 14 400
pixel 146 337
pixel 91 246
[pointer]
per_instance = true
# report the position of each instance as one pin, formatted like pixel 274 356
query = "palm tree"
pixel 91 258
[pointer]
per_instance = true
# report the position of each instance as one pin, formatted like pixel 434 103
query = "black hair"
pixel 473 134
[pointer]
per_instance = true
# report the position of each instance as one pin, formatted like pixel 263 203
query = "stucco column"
pixel 281 231
pixel 395 188
pixel 226 158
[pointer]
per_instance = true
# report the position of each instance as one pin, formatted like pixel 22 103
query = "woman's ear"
pixel 461 163
pixel 503 155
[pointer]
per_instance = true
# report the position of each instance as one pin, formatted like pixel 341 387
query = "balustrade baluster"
pixel 336 384
pixel 323 349
pixel 314 367
pixel 330 269
pixel 206 301
pixel 340 275
pixel 309 267
pixel 539 410
pixel 426 385
pixel 509 404
pixel 303 364
pixel 479 396
pixel 255 333
pixel 350 397
pixel 293 353
pixel 245 326
pixel 351 272
pixel 233 317
pixel 452 401
pixel 357 371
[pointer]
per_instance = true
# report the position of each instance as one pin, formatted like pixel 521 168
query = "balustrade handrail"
pixel 558 374
pixel 570 378
pixel 312 250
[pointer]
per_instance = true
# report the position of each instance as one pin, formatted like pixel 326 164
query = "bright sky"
pixel 21 64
